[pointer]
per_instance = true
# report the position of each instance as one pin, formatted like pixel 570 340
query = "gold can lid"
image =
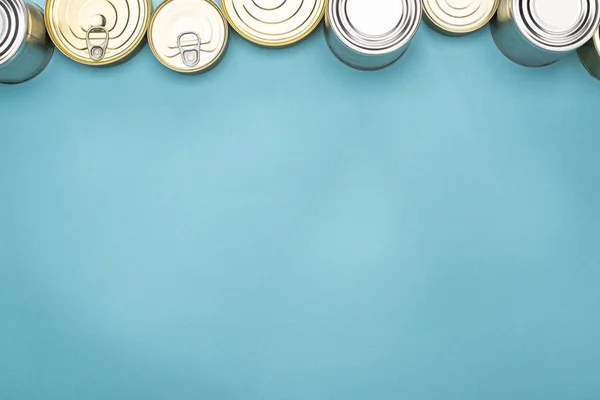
pixel 97 32
pixel 459 17
pixel 188 36
pixel 274 22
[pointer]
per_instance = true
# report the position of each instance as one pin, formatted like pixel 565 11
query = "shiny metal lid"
pixel 459 16
pixel 374 26
pixel 188 35
pixel 97 32
pixel 557 25
pixel 13 25
pixel 274 22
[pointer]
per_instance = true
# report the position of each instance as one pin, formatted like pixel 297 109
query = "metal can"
pixel 98 32
pixel 535 33
pixel 25 48
pixel 371 34
pixel 188 36
pixel 458 17
pixel 274 23
pixel 589 54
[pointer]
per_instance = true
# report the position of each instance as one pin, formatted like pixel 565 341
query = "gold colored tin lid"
pixel 459 17
pixel 188 36
pixel 97 32
pixel 274 22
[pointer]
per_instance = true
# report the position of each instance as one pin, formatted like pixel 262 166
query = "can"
pixel 589 54
pixel 25 48
pixel 458 17
pixel 188 36
pixel 98 32
pixel 274 23
pixel 535 33
pixel 371 34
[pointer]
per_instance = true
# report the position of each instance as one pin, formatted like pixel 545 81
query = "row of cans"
pixel 190 36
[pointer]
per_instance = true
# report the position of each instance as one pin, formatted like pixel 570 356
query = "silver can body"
pixel 371 34
pixel 535 33
pixel 25 48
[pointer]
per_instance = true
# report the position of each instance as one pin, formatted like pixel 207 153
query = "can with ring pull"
pixel 98 32
pixel 188 36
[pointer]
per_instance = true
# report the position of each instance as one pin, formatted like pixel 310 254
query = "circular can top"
pixel 188 36
pixel 375 26
pixel 459 17
pixel 97 32
pixel 13 21
pixel 557 25
pixel 274 22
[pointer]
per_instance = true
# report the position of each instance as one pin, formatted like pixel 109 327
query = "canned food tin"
pixel 589 54
pixel 274 23
pixel 535 33
pixel 458 17
pixel 188 36
pixel 98 32
pixel 371 34
pixel 25 48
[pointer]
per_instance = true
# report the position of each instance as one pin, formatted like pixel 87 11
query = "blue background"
pixel 285 227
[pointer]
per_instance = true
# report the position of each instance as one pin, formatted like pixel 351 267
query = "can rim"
pixel 266 43
pixel 181 70
pixel 87 61
pixel 14 37
pixel 398 41
pixel 537 38
pixel 458 29
pixel 596 40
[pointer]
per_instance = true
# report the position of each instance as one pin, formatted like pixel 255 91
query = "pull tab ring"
pixel 98 51
pixel 190 57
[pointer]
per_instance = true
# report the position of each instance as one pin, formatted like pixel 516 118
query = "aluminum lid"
pixel 459 16
pixel 188 35
pixel 557 25
pixel 13 20
pixel 97 32
pixel 374 26
pixel 274 22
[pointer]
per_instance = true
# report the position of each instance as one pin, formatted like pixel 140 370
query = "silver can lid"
pixel 13 19
pixel 557 25
pixel 374 26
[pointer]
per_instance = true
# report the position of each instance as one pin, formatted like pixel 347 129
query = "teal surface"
pixel 285 227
